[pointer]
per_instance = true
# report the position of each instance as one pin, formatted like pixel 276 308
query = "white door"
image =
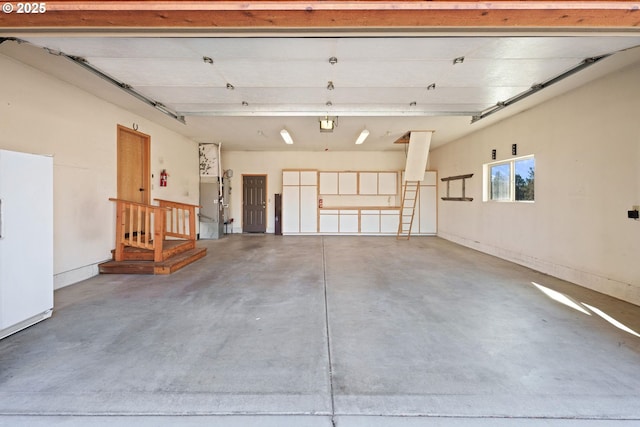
pixel 26 237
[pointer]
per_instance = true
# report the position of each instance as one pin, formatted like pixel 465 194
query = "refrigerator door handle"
pixel 1 228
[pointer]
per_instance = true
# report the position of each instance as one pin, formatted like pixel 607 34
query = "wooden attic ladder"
pixel 417 153
pixel 408 209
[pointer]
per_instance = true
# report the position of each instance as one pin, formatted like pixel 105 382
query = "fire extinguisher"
pixel 163 178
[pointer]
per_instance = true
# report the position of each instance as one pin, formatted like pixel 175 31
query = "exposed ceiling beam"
pixel 329 14
pixel 404 139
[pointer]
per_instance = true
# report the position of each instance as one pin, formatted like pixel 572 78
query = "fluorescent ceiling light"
pixel 363 135
pixel 286 136
pixel 326 125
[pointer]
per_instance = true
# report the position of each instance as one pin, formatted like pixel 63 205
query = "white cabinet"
pixel 427 216
pixel 370 221
pixel 388 183
pixel 425 219
pixel 368 183
pixel 308 209
pixel 329 221
pixel 353 203
pixel 389 220
pixel 339 221
pixel 427 209
pixel 299 202
pixel 290 209
pixel 328 182
pixel 290 178
pixel 430 178
pixel 347 183
pixel 309 178
pixel 348 221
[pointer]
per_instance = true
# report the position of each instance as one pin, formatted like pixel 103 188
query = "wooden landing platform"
pixel 170 249
pixel 174 263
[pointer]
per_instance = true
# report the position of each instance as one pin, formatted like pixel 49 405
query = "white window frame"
pixel 486 191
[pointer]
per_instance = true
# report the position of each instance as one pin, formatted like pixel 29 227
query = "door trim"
pixel 266 208
pixel 146 161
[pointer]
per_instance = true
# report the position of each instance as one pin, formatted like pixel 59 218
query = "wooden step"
pixel 183 259
pixel 168 266
pixel 127 267
pixel 170 248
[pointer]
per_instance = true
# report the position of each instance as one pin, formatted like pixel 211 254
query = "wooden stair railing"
pixel 139 226
pixel 146 226
pixel 180 219
pixel 153 239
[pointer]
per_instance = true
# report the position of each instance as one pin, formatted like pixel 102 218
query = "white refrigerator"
pixel 26 240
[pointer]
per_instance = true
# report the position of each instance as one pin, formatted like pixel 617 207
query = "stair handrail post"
pixel 158 234
pixel 120 225
pixel 192 223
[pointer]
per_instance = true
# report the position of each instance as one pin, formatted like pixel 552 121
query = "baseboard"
pixel 623 291
pixel 76 275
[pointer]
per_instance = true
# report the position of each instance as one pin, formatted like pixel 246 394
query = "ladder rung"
pixel 407 210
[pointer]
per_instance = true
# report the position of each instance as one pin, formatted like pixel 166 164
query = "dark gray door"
pixel 254 202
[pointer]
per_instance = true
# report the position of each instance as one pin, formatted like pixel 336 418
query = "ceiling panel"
pixel 284 80
pixel 116 47
pixel 159 72
pixel 405 73
pixel 261 48
pixel 227 100
pixel 264 73
pixel 319 109
pixel 552 47
pixel 406 48
pixel 505 72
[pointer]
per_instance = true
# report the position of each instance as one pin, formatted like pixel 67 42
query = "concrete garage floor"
pixel 320 331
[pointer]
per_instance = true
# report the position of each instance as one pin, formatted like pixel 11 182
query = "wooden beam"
pixel 404 139
pixel 329 14
pixel 455 178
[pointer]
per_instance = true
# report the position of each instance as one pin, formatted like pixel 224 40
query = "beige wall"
pixel 40 114
pixel 272 164
pixel 587 150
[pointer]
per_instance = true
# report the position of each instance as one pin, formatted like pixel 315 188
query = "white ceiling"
pixel 380 83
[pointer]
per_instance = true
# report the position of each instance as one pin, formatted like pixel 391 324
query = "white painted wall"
pixel 587 149
pixel 272 164
pixel 40 114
